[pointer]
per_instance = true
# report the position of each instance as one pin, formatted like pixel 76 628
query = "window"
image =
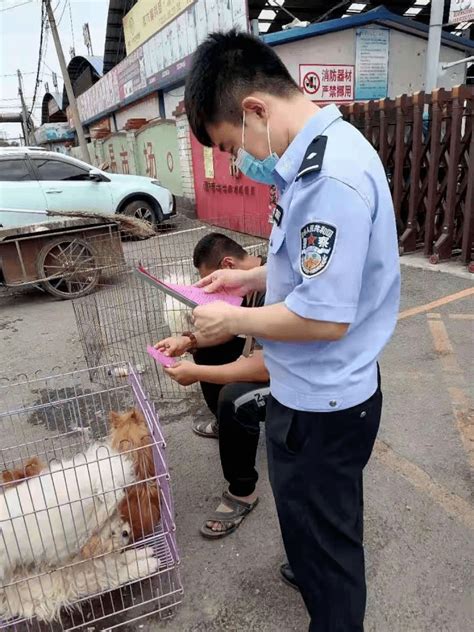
pixel 14 171
pixel 59 170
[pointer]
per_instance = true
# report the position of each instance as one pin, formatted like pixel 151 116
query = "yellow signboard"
pixel 148 17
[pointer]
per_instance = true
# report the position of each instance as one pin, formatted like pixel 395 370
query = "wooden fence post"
pixel 409 237
pixel 442 249
pixel 467 242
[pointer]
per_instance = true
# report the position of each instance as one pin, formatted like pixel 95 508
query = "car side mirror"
pixel 97 176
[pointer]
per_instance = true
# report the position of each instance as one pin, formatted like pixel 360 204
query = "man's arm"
pixel 174 346
pixel 277 322
pixel 271 322
pixel 238 282
pixel 251 369
pixel 203 342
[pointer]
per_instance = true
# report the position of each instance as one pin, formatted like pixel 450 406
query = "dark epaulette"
pixel 314 156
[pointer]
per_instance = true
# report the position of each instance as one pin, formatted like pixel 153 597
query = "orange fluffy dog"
pixel 141 505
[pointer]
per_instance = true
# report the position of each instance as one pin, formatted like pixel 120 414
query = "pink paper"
pixel 161 358
pixel 200 297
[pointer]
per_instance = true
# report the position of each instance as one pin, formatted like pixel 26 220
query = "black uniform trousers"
pixel 315 463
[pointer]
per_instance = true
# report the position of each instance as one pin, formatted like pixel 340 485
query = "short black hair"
pixel 211 249
pixel 226 68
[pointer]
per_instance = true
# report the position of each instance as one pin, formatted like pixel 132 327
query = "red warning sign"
pixel 328 82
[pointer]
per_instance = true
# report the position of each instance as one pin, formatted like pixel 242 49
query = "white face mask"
pixel 258 170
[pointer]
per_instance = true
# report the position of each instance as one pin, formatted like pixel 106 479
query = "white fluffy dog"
pixel 50 517
pixel 44 595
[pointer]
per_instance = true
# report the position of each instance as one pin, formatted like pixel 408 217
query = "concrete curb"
pixel 449 267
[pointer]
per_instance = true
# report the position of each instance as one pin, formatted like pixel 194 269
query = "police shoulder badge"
pixel 317 245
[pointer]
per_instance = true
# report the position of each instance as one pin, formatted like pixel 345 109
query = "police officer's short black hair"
pixel 226 68
pixel 211 249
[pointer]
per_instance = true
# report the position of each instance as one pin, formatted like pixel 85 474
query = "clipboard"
pixel 189 295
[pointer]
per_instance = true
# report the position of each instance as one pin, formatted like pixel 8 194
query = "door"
pixel 19 189
pixel 67 187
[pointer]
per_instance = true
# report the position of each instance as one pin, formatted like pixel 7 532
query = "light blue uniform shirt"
pixel 333 258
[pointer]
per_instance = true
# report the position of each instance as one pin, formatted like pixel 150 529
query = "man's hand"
pixel 217 319
pixel 237 282
pixel 185 373
pixel 174 346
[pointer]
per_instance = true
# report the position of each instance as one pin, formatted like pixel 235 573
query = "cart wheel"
pixel 69 265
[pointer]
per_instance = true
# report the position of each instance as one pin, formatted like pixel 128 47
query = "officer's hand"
pixel 174 346
pixel 216 319
pixel 185 373
pixel 237 282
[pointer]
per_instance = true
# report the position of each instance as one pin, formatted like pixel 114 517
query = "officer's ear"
pixel 255 106
pixel 228 263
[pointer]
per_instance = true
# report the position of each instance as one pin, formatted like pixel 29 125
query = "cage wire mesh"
pixel 79 543
pixel 118 321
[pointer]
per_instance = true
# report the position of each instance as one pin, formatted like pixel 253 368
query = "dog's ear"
pixel 114 418
pixel 137 415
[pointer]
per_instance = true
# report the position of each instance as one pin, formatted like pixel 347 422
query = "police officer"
pixel 332 283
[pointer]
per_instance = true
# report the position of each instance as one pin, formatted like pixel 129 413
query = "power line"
pixel 32 72
pixel 15 75
pixel 17 107
pixel 63 11
pixel 15 6
pixel 40 55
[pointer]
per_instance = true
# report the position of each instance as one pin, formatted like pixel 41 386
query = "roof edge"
pixel 378 15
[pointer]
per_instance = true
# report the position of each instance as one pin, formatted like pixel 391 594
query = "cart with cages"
pixel 60 257
pixel 55 420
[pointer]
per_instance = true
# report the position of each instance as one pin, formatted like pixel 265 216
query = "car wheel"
pixel 142 209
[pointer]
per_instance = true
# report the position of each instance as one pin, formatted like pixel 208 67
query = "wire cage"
pixel 120 320
pixel 87 530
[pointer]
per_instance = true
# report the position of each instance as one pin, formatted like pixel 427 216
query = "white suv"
pixel 37 180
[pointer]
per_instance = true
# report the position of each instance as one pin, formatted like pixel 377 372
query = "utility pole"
pixel 434 45
pixel 27 131
pixel 67 83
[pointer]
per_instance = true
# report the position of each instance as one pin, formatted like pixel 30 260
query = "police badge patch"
pixel 317 245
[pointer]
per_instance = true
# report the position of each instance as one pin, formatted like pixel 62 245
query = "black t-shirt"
pixel 256 299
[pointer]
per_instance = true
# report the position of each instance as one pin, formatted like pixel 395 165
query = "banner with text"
pixel 164 59
pixel 148 17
